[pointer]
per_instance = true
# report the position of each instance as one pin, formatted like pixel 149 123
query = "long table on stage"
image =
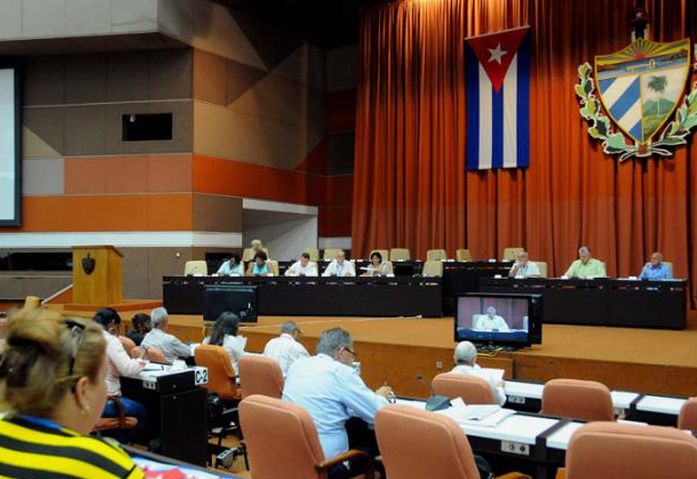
pixel 315 296
pixel 603 301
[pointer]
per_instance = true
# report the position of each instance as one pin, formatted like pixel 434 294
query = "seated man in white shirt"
pixel 330 390
pixel 286 348
pixel 490 322
pixel 523 267
pixel 304 267
pixel 339 266
pixel 466 363
pixel 232 267
pixel 157 337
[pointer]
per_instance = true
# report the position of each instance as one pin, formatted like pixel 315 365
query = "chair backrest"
pixel 687 419
pixel 260 375
pixel 281 439
pixel 196 268
pixel 542 266
pixel 385 253
pixel 156 354
pixel 432 268
pixel 221 374
pixel 127 342
pixel 330 253
pixel 436 255
pixel 587 400
pixel 390 267
pixel 400 254
pixel 669 265
pixel 608 450
pixel 248 253
pixel 511 252
pixel 463 254
pixel 471 389
pixel 273 266
pixel 415 444
pixel 313 252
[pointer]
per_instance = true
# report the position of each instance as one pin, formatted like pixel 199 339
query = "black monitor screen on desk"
pixel 236 298
pixel 499 319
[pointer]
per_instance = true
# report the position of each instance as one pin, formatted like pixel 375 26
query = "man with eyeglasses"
pixel 330 390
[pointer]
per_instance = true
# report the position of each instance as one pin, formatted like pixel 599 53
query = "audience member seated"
pixel 260 266
pixel 339 266
pixel 231 267
pixel 586 267
pixel 286 348
pixel 225 334
pixel 119 363
pixel 490 321
pixel 656 269
pixel 170 346
pixel 303 267
pixel 331 392
pixel 53 380
pixel 377 266
pixel 466 363
pixel 141 327
pixel 523 267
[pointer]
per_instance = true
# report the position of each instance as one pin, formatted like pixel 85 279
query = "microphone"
pixel 435 402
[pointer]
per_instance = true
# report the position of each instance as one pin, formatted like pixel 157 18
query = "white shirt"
pixel 285 350
pixel 381 269
pixel 529 269
pixel 297 269
pixel 170 345
pixel 476 370
pixel 227 269
pixel 334 268
pixel 484 322
pixel 118 364
pixel 331 393
pixel 234 346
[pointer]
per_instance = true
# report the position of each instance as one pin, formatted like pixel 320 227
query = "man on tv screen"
pixel 490 322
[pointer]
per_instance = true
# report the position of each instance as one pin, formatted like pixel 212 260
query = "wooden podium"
pixel 97 275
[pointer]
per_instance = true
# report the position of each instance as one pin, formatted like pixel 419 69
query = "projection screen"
pixel 10 147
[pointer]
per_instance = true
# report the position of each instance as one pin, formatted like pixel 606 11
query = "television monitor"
pixel 499 319
pixel 237 298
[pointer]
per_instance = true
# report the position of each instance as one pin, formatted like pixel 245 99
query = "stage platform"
pixel 396 350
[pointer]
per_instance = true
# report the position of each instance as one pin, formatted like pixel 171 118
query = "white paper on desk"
pixel 477 413
pixel 153 367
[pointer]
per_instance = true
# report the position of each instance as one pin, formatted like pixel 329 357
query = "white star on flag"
pixel 496 54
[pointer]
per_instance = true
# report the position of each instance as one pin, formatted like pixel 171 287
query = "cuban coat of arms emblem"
pixel 639 89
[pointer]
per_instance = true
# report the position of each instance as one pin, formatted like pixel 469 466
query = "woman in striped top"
pixel 52 379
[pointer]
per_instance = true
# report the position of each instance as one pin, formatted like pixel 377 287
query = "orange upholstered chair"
pixel 587 400
pixel 260 375
pixel 282 441
pixel 471 389
pixel 687 419
pixel 607 450
pixel 221 374
pixel 127 342
pixel 120 422
pixel 415 444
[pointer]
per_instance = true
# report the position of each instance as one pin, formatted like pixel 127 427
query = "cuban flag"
pixel 498 100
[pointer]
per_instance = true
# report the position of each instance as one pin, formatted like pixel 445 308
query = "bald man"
pixel 586 267
pixel 465 358
pixel 656 269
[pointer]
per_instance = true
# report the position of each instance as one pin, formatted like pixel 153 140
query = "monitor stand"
pixel 493 349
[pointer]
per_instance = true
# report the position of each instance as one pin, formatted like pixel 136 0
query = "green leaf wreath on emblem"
pixel 614 142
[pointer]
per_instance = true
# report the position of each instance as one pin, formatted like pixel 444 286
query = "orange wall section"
pixel 128 174
pixel 246 180
pixel 106 213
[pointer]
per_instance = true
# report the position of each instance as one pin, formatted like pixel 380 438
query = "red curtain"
pixel 410 185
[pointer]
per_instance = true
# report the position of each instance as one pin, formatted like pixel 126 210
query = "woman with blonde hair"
pixel 52 380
